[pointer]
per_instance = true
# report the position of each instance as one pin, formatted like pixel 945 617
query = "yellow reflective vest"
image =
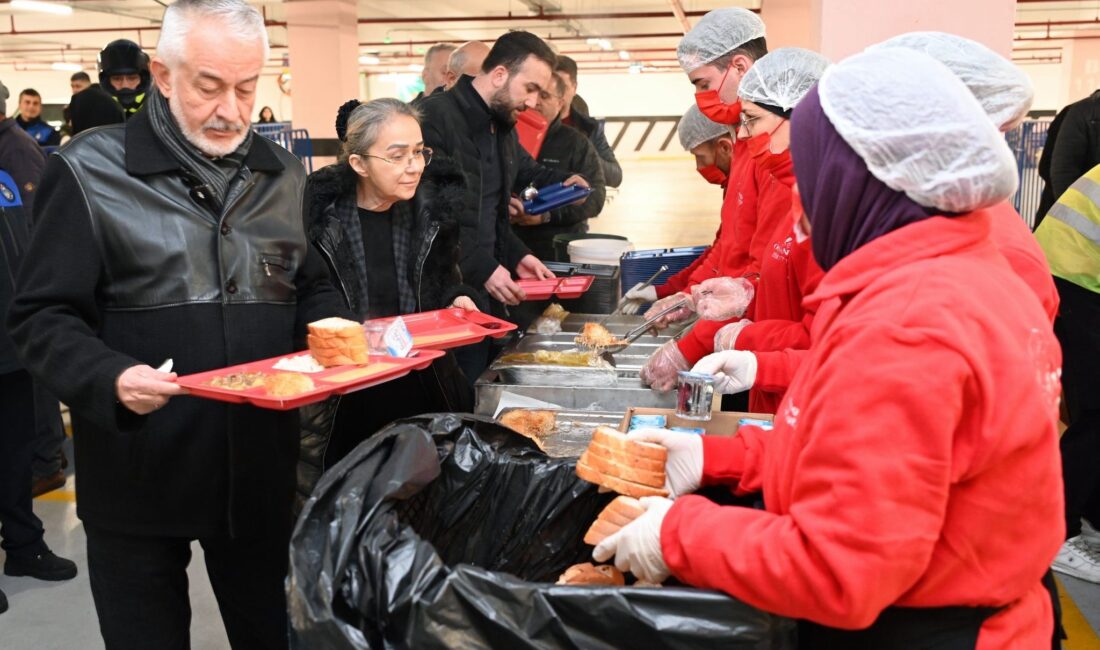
pixel 1070 233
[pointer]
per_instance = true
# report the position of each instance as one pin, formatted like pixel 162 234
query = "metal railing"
pixel 1026 142
pixel 296 141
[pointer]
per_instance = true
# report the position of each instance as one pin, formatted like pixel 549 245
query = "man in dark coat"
pixel 20 155
pixel 567 149
pixel 178 235
pixel 574 113
pixel 1077 144
pixel 473 123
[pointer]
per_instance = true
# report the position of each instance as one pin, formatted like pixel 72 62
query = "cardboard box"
pixel 721 423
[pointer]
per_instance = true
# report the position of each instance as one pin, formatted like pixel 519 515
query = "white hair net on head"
pixel 1002 89
pixel 918 129
pixel 782 77
pixel 695 129
pixel 717 33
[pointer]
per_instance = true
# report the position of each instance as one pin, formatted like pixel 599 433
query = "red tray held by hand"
pixel 444 329
pixel 567 287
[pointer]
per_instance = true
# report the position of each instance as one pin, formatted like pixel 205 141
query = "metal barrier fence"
pixel 296 141
pixel 1026 142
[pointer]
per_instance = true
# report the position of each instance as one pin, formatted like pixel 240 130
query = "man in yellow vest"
pixel 1070 237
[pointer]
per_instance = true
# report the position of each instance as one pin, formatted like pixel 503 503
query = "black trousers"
pixel 50 433
pixel 139 585
pixel 20 529
pixel 1078 330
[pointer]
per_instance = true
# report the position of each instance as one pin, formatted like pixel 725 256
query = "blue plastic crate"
pixel 637 266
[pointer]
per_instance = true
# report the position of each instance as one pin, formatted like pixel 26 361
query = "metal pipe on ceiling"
pixel 606 15
pixel 681 15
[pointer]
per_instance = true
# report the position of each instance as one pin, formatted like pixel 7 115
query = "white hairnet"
pixel 782 77
pixel 1002 89
pixel 719 32
pixel 695 129
pixel 918 129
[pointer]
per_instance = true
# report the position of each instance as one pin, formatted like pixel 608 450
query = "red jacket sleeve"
pixel 735 460
pixel 865 502
pixel 775 370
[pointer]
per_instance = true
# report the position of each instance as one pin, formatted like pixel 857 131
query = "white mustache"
pixel 221 125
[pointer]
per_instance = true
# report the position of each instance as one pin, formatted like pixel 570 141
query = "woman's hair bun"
pixel 342 116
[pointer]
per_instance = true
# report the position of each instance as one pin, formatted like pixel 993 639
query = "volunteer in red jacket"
pixel 1005 93
pixel 788 272
pixel 716 54
pixel 712 145
pixel 912 481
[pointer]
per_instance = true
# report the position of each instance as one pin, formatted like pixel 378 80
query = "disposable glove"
pixel 722 298
pixel 734 370
pixel 662 369
pixel 674 316
pixel 684 467
pixel 726 338
pixel 637 546
pixel 638 296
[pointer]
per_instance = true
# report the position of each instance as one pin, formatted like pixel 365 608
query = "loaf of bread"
pixel 618 441
pixel 588 574
pixel 337 342
pixel 614 468
pixel 530 423
pixel 617 514
pixel 286 384
pixel 615 484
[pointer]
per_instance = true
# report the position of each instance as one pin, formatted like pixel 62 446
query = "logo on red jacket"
pixel 782 250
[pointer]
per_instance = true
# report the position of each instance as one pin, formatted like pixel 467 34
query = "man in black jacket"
pixel 574 113
pixel 473 124
pixel 563 148
pixel 178 235
pixel 1077 147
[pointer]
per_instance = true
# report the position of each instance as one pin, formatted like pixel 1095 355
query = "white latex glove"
pixel 672 317
pixel 662 369
pixel 637 546
pixel 684 467
pixel 734 370
pixel 726 337
pixel 638 296
pixel 722 298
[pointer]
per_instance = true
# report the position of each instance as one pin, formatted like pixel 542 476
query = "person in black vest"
pixel 473 124
pixel 177 235
pixel 568 149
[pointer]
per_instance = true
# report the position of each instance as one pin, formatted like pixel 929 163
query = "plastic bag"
pixel 722 298
pixel 446 531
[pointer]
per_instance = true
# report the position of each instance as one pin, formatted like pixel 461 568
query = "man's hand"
pixel 465 303
pixel 519 217
pixel 530 268
pixel 577 179
pixel 500 286
pixel 143 389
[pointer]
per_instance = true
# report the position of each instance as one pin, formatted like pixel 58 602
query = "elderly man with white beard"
pixel 177 235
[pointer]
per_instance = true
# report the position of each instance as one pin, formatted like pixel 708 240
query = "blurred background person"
pixel 266 115
pixel 574 113
pixel 79 81
pixel 466 60
pixel 124 73
pixel 30 119
pixel 434 73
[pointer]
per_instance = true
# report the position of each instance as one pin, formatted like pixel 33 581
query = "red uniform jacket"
pixel 914 460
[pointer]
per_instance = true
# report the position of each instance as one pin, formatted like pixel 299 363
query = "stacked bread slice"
pixel 629 467
pixel 337 342
pixel 617 514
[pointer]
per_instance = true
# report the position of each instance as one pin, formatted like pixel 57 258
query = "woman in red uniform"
pixel 912 481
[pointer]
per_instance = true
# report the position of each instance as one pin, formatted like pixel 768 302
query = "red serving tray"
pixel 396 367
pixel 444 329
pixel 565 287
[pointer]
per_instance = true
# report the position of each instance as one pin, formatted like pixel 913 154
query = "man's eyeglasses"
pixel 424 154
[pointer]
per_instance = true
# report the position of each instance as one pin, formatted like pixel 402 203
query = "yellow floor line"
pixel 1080 633
pixel 67 496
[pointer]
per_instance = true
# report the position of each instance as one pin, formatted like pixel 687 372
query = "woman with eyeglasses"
pixel 384 219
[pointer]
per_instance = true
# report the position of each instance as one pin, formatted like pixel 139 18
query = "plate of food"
pixel 336 363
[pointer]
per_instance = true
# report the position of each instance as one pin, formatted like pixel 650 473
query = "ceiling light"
pixel 416 67
pixel 367 59
pixel 624 55
pixel 44 7
pixel 635 68
pixel 593 41
pixel 67 67
pixel 605 44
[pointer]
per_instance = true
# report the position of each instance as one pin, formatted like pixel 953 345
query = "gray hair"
pixel 367 120
pixel 438 47
pixel 245 23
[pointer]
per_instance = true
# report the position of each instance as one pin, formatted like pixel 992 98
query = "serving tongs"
pixel 624 300
pixel 637 332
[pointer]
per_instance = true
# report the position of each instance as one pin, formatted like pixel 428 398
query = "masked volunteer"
pixel 923 511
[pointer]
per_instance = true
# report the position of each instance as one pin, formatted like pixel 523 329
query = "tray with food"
pixel 338 362
pixel 444 329
pixel 560 433
pixel 571 286
pixel 556 366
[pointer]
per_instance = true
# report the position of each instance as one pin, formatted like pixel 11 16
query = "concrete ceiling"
pixel 639 32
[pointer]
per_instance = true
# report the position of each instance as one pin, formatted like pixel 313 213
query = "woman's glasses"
pixel 424 154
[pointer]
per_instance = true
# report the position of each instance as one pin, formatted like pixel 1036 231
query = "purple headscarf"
pixel 847 206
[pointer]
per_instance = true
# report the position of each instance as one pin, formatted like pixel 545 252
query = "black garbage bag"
pixel 449 531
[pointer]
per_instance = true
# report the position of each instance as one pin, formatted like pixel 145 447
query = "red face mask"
pixel 712 106
pixel 759 147
pixel 713 174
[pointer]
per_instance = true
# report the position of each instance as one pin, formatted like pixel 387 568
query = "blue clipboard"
pixel 555 196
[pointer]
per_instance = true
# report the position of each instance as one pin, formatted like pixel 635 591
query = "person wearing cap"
pixel 711 144
pixel 921 513
pixel 124 72
pixel 716 54
pixel 769 93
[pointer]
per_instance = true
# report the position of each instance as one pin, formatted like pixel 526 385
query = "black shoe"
pixel 3 603
pixel 44 566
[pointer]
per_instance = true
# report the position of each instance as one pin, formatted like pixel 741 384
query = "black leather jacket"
pixel 435 278
pixel 125 267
